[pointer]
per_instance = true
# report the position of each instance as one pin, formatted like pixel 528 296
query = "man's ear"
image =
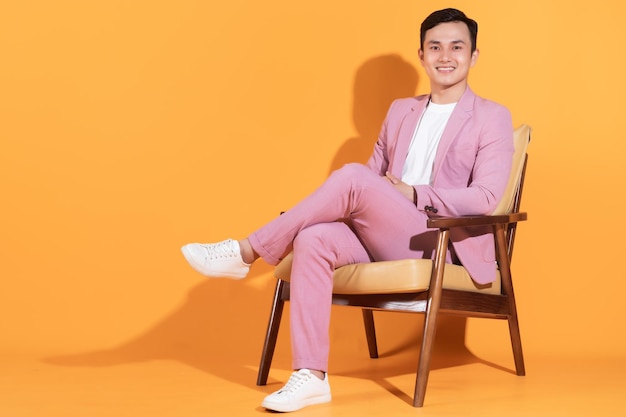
pixel 420 54
pixel 475 56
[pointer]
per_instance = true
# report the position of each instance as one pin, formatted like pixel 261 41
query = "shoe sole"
pixel 287 408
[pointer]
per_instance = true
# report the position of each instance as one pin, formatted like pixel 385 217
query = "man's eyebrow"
pixel 438 42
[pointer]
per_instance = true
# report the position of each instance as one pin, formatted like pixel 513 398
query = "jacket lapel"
pixel 405 135
pixel 460 115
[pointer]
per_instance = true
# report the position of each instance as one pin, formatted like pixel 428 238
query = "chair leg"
pixel 423 368
pixel 370 332
pixel 430 319
pixel 516 343
pixel 507 285
pixel 280 295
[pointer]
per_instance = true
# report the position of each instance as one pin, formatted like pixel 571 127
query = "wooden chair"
pixel 427 286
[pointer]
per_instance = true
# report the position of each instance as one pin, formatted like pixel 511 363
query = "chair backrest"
pixel 521 138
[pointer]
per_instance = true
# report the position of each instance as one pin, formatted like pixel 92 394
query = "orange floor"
pixel 116 383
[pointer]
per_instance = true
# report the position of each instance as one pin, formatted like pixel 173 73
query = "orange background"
pixel 131 128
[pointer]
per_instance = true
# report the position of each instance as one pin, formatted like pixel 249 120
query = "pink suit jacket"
pixel 470 171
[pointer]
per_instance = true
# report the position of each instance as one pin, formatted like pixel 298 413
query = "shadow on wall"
pixel 377 82
pixel 219 328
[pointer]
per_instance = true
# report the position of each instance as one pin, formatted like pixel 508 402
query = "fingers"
pixel 392 178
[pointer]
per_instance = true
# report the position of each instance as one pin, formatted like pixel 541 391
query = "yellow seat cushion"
pixel 393 277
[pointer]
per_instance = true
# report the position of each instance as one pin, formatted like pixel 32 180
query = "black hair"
pixel 445 16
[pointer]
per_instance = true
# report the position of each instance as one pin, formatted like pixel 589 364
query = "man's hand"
pixel 404 188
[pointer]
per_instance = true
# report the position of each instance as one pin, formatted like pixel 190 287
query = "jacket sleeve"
pixel 473 179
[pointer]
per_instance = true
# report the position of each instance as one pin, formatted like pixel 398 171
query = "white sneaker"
pixel 302 389
pixel 221 259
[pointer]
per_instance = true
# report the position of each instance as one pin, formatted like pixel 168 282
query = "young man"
pixel 447 153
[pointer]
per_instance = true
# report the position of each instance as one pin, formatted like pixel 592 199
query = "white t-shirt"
pixel 418 166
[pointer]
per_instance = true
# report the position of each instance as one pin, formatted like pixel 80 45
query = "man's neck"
pixel 448 95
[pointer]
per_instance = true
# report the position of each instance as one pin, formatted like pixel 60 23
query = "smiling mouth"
pixel 445 69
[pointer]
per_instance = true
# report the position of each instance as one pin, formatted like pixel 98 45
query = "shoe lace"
pixel 221 250
pixel 296 381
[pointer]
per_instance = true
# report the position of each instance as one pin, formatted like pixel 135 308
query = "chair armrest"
pixel 467 221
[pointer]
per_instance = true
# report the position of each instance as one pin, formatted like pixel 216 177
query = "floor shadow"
pixel 449 350
pixel 402 358
pixel 220 327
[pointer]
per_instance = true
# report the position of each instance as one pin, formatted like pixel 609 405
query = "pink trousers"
pixel 385 225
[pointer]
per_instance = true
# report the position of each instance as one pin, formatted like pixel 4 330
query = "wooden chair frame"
pixel 433 301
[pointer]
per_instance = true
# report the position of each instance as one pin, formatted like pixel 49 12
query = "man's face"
pixel 447 55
